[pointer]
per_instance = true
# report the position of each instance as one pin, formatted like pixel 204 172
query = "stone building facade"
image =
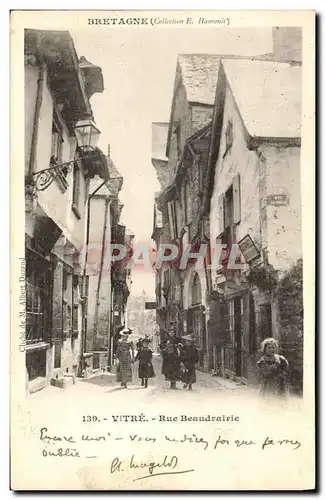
pixel 181 293
pixel 255 203
pixel 57 93
pixel 233 147
pixel 107 282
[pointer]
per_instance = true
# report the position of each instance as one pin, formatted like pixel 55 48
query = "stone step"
pixel 62 382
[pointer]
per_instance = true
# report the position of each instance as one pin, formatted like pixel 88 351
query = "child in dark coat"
pixel 144 356
pixel 189 358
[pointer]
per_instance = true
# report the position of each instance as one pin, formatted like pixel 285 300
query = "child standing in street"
pixel 273 369
pixel 189 358
pixel 144 356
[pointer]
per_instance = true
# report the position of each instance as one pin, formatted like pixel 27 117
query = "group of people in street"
pixel 126 356
pixel 180 358
pixel 179 355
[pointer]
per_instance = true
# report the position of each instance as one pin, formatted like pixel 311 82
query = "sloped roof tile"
pixel 199 74
pixel 268 95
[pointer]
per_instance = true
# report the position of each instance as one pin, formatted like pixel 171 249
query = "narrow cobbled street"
pixel 103 385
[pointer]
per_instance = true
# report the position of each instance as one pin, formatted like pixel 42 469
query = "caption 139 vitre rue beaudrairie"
pixel 141 417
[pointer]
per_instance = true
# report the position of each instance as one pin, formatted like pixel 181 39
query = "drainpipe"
pixel 111 331
pixel 84 303
pixel 38 104
pixel 107 201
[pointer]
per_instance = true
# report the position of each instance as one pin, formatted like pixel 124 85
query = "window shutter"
pixel 236 195
pixel 170 218
pixel 221 203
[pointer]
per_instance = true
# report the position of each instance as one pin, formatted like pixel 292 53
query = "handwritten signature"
pixel 170 463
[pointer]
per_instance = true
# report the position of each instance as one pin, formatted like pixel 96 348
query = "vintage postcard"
pixel 162 242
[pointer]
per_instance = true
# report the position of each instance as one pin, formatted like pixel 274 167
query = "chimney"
pixel 287 44
pixel 108 150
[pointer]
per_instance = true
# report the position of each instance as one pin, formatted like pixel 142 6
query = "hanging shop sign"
pixel 248 248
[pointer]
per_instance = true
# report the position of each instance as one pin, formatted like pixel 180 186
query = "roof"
pixel 113 172
pixel 115 178
pixel 67 83
pixel 199 76
pixel 268 95
pixel 159 141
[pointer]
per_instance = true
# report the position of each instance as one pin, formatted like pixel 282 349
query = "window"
pixel 56 153
pixel 34 307
pixel 229 208
pixel 37 299
pixel 231 324
pixel 76 190
pixel 172 219
pixel 196 291
pixel 67 311
pixel 75 305
pixel 57 140
pixel 228 238
pixel 252 327
pixel 230 205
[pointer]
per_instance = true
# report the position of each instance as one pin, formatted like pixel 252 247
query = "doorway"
pixel 238 312
pixel 57 354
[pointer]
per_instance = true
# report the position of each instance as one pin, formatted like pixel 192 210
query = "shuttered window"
pixel 229 205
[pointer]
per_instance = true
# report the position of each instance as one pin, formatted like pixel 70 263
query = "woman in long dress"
pixel 125 356
pixel 171 358
pixel 144 356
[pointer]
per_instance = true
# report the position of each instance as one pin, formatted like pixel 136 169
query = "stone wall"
pixel 280 174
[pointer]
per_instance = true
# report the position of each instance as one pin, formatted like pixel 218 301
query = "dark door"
pixel 57 354
pixel 266 321
pixel 238 336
